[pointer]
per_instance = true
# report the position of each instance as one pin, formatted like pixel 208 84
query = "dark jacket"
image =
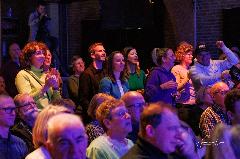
pixel 153 91
pixel 23 131
pixel 9 72
pixel 144 150
pixel 89 85
pixel 12 148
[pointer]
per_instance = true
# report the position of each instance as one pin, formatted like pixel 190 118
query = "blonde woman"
pixel 40 131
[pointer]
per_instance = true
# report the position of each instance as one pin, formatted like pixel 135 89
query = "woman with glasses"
pixel 116 122
pixel 42 86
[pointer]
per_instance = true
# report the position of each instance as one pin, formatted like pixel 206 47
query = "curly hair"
pixel 27 52
pixel 110 67
pixel 182 49
pixel 104 110
pixel 96 100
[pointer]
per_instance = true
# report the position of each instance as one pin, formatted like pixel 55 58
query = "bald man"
pixel 11 68
pixel 134 102
pixel 217 112
pixel 66 137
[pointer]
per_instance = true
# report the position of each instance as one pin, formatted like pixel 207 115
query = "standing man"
pixel 39 23
pixel 10 145
pixel 11 69
pixel 91 77
pixel 206 72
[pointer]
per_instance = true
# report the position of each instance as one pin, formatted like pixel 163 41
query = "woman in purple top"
pixel 161 83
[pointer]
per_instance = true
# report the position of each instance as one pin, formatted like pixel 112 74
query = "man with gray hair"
pixel 27 111
pixel 66 138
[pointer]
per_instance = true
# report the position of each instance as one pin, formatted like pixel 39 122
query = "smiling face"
pixel 79 66
pixel 27 110
pixel 38 58
pixel 118 62
pixel 99 53
pixel 48 58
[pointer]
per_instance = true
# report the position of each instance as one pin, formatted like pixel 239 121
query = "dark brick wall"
pixel 76 13
pixel 178 22
pixel 210 20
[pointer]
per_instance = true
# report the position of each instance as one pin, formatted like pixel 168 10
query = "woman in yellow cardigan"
pixel 43 87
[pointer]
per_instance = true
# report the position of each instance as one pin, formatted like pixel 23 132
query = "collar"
pixel 150 148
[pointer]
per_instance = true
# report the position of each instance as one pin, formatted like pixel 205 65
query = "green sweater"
pixel 26 83
pixel 136 82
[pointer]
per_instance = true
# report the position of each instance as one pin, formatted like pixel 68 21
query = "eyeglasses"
pixel 137 105
pixel 121 114
pixel 39 52
pixel 9 110
pixel 28 105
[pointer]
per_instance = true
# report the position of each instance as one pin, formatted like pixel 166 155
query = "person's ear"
pixel 150 131
pixel 92 55
pixel 107 123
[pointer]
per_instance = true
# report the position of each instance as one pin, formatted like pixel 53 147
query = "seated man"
pixel 27 113
pixel 66 137
pixel 217 112
pixel 134 102
pixel 159 133
pixel 113 116
pixel 10 145
pixel 205 71
pixel 11 68
pixel 232 103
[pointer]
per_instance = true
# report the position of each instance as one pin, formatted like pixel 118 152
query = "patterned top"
pixel 210 118
pixel 94 129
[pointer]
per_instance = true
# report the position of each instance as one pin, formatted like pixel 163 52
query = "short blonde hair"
pixel 95 102
pixel 104 110
pixel 40 127
pixel 182 49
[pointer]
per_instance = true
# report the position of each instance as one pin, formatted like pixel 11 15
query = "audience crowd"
pixel 188 106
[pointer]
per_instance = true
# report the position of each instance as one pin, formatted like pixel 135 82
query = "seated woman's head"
pixel 114 117
pixel 115 64
pixel 33 53
pixel 96 100
pixel 40 127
